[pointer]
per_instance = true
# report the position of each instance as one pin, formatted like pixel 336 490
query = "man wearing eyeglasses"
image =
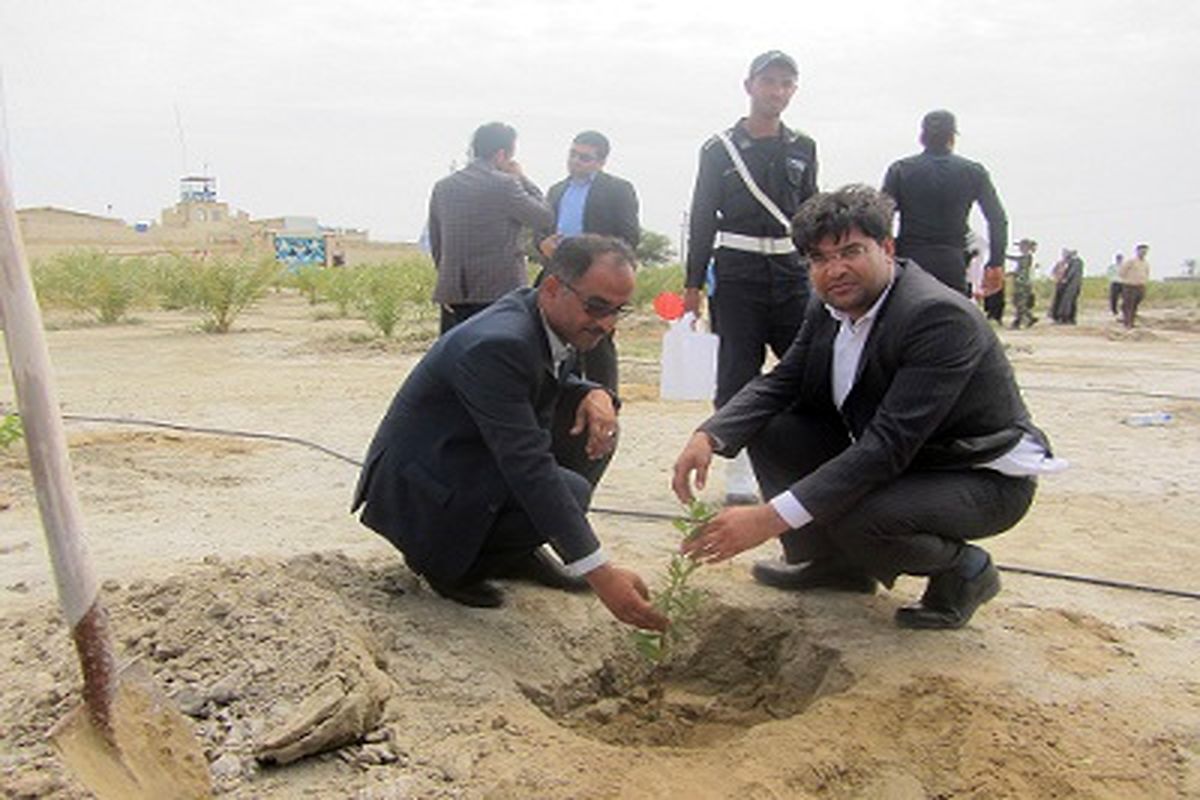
pixel 889 438
pixel 590 200
pixel 468 474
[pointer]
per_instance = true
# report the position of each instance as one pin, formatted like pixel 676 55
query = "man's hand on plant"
pixel 598 415
pixel 696 457
pixel 626 596
pixel 734 530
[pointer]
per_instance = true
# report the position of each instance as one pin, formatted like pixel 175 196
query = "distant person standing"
pixel 1134 274
pixel 752 179
pixel 1023 284
pixel 590 200
pixel 475 217
pixel 1068 281
pixel 934 191
pixel 1114 284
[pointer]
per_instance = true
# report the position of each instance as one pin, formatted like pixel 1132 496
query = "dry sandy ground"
pixel 235 573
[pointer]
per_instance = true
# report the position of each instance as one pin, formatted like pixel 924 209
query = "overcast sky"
pixel 1084 111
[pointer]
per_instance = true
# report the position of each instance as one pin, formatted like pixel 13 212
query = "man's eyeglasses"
pixel 850 252
pixel 583 155
pixel 598 308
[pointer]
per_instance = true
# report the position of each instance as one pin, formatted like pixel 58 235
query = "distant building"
pixel 199 209
pixel 201 224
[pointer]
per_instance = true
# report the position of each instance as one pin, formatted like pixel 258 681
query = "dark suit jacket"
pixel 468 432
pixel 934 390
pixel 611 208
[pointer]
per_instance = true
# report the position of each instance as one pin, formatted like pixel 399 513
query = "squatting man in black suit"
pixel 492 446
pixel 889 437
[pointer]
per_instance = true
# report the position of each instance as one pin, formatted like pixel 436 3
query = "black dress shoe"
pixel 480 594
pixel 950 600
pixel 542 568
pixel 812 575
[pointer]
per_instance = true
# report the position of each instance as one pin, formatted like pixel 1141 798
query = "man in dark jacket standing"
pixel 890 436
pixel 590 200
pixel 934 191
pixel 465 475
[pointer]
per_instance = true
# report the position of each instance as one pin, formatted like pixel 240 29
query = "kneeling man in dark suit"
pixel 492 448
pixel 889 437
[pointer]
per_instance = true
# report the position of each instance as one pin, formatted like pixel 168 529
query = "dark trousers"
pixel 1131 298
pixel 915 525
pixel 1114 295
pixel 459 312
pixel 947 263
pixel 749 317
pixel 993 306
pixel 513 536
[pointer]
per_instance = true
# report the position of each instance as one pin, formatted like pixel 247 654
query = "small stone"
pixel 191 702
pixel 111 585
pixel 220 610
pixel 378 754
pixel 225 691
pixel 166 652
pixel 226 769
pixel 20 587
pixel 499 722
pixel 378 735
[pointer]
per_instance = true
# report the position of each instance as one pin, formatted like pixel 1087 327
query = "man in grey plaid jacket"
pixel 475 218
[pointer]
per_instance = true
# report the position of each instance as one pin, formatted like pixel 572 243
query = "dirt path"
pixel 235 572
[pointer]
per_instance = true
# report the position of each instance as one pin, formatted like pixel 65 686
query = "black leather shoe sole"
pixel 475 595
pixel 954 606
pixel 811 576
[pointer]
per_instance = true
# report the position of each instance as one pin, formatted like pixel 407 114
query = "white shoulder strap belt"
pixel 748 179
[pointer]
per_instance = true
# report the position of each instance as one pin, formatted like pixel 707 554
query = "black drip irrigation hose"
pixel 618 512
pixel 176 426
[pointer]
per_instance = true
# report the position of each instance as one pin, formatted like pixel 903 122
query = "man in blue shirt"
pixel 590 200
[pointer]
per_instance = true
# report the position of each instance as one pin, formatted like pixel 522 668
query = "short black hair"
pixel 938 129
pixel 594 139
pixel 834 214
pixel 575 254
pixel 491 138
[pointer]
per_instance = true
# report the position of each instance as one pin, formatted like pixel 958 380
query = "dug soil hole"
pixel 738 669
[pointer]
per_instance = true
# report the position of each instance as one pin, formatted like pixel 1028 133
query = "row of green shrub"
pixel 110 287
pixel 382 294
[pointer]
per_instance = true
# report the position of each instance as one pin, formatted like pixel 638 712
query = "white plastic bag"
pixel 689 362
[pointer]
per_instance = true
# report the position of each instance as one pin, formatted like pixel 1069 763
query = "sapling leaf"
pixel 677 601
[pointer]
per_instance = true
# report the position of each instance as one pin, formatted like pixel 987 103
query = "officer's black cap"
pixel 764 60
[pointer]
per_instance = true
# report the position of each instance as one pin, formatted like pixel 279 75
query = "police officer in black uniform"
pixel 934 191
pixel 761 283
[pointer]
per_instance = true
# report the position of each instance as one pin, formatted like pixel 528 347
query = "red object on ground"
pixel 669 306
